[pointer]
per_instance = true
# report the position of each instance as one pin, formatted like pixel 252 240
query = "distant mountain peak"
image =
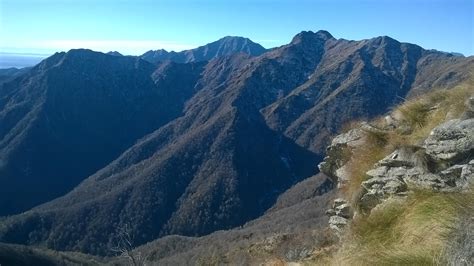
pixel 236 39
pixel 114 53
pixel 325 34
pixel 230 37
pixel 385 40
pixel 310 36
pixel 76 55
pixel 79 51
pixel 225 46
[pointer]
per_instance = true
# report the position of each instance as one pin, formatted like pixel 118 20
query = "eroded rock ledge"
pixel 443 162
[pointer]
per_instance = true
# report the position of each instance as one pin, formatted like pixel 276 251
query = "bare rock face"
pixel 452 141
pixel 337 223
pixel 344 210
pixel 459 176
pixel 407 157
pixel 339 215
pixel 378 188
pixel 339 152
pixel 451 144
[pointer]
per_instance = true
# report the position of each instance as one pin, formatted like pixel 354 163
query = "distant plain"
pixel 8 60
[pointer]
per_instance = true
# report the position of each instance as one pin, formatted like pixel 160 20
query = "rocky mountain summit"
pixel 226 46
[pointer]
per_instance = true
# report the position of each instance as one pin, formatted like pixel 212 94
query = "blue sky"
pixel 135 26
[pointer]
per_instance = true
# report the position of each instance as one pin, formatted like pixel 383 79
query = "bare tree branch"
pixel 124 247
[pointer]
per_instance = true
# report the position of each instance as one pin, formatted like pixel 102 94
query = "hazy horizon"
pixel 27 59
pixel 48 26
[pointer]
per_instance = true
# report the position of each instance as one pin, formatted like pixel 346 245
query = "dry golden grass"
pixel 421 115
pixel 415 113
pixel 413 232
pixel 363 159
pixel 424 113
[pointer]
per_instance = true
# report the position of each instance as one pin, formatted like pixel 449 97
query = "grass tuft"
pixel 411 232
pixel 415 113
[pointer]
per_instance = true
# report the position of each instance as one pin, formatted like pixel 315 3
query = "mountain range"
pixel 187 143
pixel 228 45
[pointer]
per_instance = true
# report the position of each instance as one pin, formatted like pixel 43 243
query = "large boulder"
pixel 452 141
pixel 407 156
pixel 460 176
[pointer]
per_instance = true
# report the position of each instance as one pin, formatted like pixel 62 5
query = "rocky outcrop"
pixel 339 215
pixel 443 163
pixel 461 175
pixel 452 141
pixel 387 178
pixel 393 192
pixel 339 152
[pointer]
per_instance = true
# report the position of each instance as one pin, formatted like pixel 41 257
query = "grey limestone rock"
pixel 340 214
pixel 452 141
pixel 344 210
pixel 337 223
pixel 337 152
